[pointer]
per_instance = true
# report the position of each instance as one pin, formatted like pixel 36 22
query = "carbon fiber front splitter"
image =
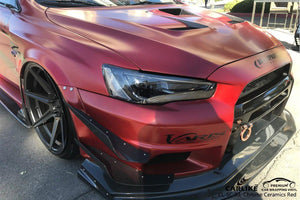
pixel 238 167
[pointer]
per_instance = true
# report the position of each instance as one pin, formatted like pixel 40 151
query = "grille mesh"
pixel 263 83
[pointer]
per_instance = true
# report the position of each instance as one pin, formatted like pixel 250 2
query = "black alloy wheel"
pixel 47 112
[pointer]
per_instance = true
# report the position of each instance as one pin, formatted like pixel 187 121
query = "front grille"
pixel 263 83
pixel 261 99
pixel 263 95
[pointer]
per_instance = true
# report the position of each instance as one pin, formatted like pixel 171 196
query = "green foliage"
pixel 228 6
pixel 246 6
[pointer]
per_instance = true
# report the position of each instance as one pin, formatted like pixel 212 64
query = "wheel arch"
pixel 52 68
pixel 48 65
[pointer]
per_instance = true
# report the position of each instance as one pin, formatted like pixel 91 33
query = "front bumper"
pixel 187 148
pixel 246 160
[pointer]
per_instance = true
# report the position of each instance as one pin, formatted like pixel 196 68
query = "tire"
pixel 47 112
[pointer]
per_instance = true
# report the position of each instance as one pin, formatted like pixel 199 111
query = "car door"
pixel 8 51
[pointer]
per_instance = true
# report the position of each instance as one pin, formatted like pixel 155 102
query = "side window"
pixel 9 3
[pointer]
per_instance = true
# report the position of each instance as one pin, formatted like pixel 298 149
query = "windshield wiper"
pixel 150 2
pixel 92 3
pixel 8 5
pixel 71 2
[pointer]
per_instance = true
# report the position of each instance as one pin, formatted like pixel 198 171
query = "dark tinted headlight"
pixel 147 88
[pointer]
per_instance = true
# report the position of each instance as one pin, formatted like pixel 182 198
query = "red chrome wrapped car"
pixel 163 100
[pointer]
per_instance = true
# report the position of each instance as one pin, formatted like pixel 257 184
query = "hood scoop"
pixel 176 11
pixel 234 19
pixel 179 15
pixel 189 25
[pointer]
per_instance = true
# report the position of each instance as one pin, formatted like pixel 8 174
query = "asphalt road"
pixel 29 171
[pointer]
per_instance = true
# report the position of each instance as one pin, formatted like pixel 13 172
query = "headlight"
pixel 148 88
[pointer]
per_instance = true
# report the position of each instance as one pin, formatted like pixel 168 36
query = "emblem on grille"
pixel 261 61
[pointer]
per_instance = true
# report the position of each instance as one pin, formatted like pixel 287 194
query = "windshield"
pixel 89 3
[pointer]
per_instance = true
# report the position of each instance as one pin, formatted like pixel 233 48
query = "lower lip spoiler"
pixel 246 160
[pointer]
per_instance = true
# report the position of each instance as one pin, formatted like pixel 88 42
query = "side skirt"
pixel 11 106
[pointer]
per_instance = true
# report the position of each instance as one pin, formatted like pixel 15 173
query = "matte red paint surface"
pixel 141 34
pixel 73 43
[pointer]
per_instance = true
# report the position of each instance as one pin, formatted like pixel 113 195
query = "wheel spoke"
pixel 47 130
pixel 44 118
pixel 62 133
pixel 42 82
pixel 41 98
pixel 54 131
pixel 38 108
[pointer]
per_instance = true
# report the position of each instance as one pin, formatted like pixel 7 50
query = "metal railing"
pixel 263 11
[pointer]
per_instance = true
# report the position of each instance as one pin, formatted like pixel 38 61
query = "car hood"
pixel 172 39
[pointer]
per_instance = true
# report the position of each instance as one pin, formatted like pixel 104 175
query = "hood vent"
pixel 234 19
pixel 182 28
pixel 176 11
pixel 181 12
pixel 189 25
